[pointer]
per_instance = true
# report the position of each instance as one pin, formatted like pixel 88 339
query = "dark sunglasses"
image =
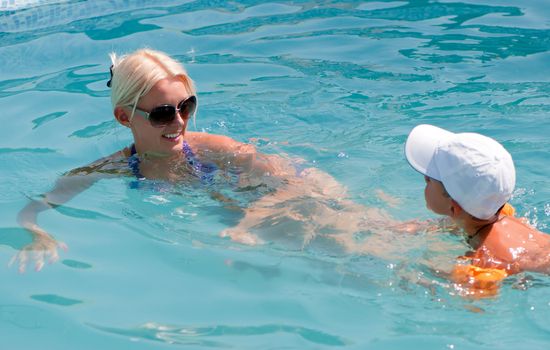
pixel 163 115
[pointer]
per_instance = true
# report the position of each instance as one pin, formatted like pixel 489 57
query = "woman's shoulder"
pixel 213 142
pixel 204 137
pixel 111 164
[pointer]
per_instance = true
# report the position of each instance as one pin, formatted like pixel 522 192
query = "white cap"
pixel 476 171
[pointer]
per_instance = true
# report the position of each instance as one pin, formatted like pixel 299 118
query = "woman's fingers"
pixel 39 252
pixel 23 257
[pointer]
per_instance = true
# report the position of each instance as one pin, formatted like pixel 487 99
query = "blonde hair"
pixel 134 75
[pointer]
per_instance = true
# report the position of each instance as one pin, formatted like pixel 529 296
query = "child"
pixel 469 178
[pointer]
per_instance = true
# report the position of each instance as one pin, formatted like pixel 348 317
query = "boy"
pixel 469 178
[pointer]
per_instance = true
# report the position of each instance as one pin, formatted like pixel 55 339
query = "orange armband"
pixel 508 210
pixel 477 281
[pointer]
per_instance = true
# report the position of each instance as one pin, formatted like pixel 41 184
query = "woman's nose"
pixel 180 119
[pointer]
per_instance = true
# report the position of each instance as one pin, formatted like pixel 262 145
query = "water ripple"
pixel 94 131
pixel 44 15
pixel 84 214
pixel 408 12
pixel 324 68
pixel 56 299
pixel 15 237
pixel 66 81
pixel 47 118
pixel 202 335
pixel 75 264
pixel 27 150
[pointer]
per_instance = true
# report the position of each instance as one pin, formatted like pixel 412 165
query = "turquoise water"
pixel 337 83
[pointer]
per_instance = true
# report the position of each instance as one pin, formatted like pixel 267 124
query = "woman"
pixel 153 96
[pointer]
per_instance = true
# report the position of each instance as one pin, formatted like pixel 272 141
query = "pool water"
pixel 339 84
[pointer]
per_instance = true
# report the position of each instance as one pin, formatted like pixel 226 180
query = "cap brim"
pixel 421 146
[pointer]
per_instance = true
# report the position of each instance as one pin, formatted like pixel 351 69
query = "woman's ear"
pixel 121 116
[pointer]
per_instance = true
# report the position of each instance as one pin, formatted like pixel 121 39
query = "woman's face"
pixel 166 140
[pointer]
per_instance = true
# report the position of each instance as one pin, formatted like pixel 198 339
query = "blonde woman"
pixel 153 96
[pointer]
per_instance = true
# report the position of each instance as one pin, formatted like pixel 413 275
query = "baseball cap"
pixel 476 171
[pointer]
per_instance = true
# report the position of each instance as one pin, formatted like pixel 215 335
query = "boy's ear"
pixel 456 209
pixel 121 116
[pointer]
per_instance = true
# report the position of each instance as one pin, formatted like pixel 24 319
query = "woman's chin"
pixel 174 145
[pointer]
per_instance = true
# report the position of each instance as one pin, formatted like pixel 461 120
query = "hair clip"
pixel 109 82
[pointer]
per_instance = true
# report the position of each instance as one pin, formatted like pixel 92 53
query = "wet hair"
pixel 134 75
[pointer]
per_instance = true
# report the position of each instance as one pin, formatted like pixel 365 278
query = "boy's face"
pixel 437 199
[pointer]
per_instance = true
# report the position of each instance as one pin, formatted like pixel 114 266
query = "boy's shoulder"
pixel 516 244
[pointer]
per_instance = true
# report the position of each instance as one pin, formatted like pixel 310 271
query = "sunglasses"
pixel 163 115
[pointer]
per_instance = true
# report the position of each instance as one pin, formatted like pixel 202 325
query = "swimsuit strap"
pixel 133 163
pixel 190 156
pixel 203 171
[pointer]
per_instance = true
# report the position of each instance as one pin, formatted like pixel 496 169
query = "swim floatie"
pixel 508 210
pixel 477 281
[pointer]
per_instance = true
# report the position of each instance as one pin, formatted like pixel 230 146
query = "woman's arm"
pixel 65 188
pixel 228 153
pixel 43 245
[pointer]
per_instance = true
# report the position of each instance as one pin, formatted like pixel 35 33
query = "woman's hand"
pixel 426 226
pixel 42 248
pixel 416 226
